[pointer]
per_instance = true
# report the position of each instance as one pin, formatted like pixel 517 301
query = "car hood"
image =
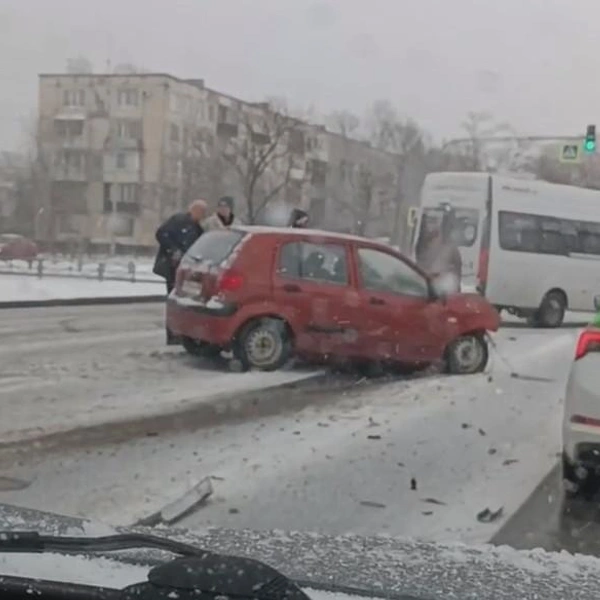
pixel 378 565
pixel 472 304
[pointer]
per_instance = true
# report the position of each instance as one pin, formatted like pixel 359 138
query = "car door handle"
pixel 373 300
pixel 292 288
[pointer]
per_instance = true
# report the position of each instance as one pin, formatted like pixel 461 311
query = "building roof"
pixel 195 83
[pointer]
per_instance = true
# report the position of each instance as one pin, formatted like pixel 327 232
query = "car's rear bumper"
pixel 581 424
pixel 213 322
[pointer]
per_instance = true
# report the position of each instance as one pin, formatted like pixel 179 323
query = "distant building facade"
pixel 120 152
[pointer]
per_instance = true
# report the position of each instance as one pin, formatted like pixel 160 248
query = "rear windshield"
pixel 215 246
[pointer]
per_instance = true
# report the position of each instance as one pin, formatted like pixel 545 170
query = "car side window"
pixel 315 262
pixel 382 272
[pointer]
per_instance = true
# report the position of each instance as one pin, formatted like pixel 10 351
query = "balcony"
pixel 68 172
pixel 227 129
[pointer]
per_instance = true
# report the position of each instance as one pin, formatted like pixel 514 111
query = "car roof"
pixel 321 233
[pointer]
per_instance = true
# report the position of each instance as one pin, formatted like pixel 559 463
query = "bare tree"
pixel 344 122
pixel 483 154
pixel 405 141
pixel 29 173
pixel 352 188
pixel 202 166
pixel 261 155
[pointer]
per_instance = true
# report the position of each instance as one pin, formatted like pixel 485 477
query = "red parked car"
pixel 16 247
pixel 268 293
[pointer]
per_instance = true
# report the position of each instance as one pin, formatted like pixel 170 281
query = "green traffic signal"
pixel 589 145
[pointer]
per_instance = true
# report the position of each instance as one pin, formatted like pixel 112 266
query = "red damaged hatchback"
pixel 268 294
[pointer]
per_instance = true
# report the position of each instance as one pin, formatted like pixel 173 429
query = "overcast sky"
pixel 533 63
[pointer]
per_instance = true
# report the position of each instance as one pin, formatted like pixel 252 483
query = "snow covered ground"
pixel 16 288
pixel 469 443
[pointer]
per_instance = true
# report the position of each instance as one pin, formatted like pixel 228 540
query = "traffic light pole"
pixel 515 138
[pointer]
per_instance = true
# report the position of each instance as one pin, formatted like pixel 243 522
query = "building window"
pixel 128 192
pixel 173 103
pixel 68 128
pixel 211 113
pixel 121 160
pixel 74 97
pixel 200 112
pixel 318 170
pixel 128 97
pixel 296 141
pixel 123 195
pixel 174 133
pixel 129 129
pixel 71 160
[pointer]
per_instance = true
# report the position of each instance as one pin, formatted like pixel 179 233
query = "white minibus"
pixel 531 247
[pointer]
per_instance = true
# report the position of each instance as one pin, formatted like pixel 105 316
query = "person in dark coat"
pixel 175 236
pixel 298 219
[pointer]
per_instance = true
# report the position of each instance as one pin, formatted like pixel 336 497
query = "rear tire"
pixel 200 349
pixel 467 355
pixel 264 344
pixel 551 312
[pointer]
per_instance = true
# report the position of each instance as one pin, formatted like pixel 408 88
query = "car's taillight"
pixel 589 341
pixel 230 281
pixel 581 420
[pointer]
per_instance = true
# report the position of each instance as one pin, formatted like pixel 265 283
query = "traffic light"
pixel 590 139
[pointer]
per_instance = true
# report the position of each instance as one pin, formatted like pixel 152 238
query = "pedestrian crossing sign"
pixel 569 153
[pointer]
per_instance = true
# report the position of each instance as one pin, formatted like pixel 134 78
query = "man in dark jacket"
pixel 174 237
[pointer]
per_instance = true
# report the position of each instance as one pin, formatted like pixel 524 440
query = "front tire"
pixel 264 344
pixel 467 355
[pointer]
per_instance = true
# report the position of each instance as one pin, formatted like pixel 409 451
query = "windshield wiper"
pixel 34 542
pixel 196 572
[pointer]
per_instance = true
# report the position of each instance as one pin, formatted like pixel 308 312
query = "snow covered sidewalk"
pixel 23 288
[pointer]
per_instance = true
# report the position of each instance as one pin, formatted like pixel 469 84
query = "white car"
pixel 581 420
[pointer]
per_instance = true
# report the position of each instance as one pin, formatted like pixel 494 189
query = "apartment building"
pixel 120 152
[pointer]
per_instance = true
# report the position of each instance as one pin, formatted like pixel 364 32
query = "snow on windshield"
pixel 82 570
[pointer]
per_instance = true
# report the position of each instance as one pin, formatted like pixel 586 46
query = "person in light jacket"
pixel 440 258
pixel 224 216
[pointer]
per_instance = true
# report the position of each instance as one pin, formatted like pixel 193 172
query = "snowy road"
pixel 470 443
pixel 65 369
